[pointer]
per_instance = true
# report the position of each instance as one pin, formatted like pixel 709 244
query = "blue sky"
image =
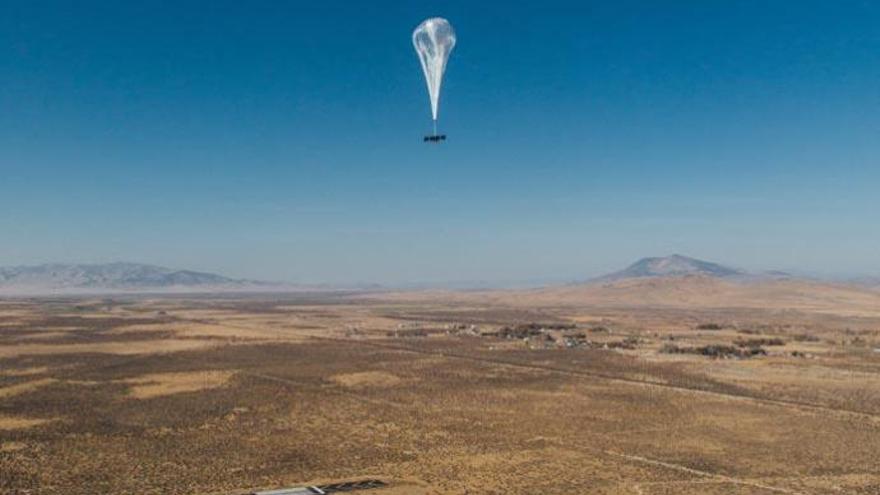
pixel 282 140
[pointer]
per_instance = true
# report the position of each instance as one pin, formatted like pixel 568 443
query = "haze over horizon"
pixel 279 141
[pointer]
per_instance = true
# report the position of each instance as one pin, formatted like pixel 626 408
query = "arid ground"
pixel 604 391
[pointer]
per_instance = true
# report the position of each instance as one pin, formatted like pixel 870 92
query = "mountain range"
pixel 58 278
pixel 113 277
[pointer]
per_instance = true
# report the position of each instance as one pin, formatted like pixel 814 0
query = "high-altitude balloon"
pixel 434 40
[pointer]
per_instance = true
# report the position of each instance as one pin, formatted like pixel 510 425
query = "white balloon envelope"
pixel 434 40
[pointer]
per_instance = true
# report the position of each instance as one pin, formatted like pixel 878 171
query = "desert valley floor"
pixel 701 391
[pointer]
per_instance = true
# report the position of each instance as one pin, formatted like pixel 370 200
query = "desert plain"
pixel 665 386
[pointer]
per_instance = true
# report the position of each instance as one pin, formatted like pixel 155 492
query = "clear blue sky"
pixel 282 140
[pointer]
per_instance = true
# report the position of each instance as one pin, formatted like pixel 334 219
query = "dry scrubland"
pixel 697 389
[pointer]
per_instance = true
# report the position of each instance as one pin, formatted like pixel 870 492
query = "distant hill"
pixel 873 282
pixel 677 282
pixel 672 266
pixel 132 277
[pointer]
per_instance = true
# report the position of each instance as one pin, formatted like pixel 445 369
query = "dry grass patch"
pixel 12 446
pixel 14 313
pixel 234 331
pixel 159 384
pixel 21 423
pixel 21 388
pixel 36 370
pixel 379 379
pixel 43 335
pixel 157 346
